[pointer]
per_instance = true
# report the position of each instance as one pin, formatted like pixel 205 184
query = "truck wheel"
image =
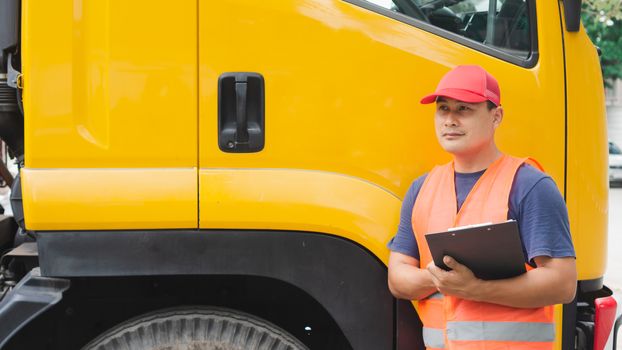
pixel 195 328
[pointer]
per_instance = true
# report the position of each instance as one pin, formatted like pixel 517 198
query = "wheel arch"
pixel 342 276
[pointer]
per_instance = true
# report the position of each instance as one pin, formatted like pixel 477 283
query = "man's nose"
pixel 450 119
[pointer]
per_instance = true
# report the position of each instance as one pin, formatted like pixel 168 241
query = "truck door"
pixel 110 95
pixel 340 83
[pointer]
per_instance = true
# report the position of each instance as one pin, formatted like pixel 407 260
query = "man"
pixel 458 310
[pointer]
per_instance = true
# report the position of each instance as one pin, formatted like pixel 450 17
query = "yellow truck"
pixel 227 174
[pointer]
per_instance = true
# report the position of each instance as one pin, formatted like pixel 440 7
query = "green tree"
pixel 603 10
pixel 602 20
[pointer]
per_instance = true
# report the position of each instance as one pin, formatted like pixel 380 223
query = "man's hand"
pixel 459 282
pixel 407 280
pixel 552 282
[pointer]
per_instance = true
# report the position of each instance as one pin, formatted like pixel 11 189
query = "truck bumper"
pixel 614 338
pixel 30 297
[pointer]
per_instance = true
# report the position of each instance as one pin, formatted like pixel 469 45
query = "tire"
pixel 195 328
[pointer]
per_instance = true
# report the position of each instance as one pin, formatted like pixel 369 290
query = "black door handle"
pixel 241 110
pixel 240 115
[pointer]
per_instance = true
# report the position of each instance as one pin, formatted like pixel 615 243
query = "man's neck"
pixel 472 163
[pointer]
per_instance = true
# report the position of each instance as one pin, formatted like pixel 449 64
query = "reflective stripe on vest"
pixel 433 338
pixel 501 331
pixel 469 324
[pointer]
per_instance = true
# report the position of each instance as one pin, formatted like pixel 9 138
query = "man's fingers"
pixel 452 263
pixel 435 273
pixel 435 279
pixel 434 270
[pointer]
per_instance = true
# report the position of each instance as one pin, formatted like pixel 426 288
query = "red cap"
pixel 468 84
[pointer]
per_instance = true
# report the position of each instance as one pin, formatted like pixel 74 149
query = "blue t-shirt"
pixel 535 203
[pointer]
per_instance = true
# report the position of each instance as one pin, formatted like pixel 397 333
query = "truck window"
pixel 504 25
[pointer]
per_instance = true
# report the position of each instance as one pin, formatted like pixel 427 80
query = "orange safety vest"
pixel 454 323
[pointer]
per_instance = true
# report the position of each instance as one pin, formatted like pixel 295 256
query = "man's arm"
pixel 407 280
pixel 552 282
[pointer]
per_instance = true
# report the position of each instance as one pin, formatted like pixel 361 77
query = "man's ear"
pixel 497 116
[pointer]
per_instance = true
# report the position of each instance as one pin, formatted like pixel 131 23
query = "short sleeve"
pixel 404 241
pixel 542 216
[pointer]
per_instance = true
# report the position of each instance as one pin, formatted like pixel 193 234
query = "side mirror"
pixel 572 15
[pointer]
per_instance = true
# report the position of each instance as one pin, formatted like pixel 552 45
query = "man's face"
pixel 463 128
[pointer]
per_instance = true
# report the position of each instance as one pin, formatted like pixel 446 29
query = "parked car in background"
pixel 615 164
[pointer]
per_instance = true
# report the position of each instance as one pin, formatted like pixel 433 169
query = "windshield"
pixel 614 149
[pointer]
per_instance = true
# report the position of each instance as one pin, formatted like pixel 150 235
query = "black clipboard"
pixel 491 251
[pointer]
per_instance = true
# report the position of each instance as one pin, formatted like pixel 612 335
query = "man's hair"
pixel 489 103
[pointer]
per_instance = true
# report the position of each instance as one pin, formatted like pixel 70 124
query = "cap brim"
pixel 456 94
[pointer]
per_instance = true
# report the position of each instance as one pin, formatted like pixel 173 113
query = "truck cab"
pixel 242 164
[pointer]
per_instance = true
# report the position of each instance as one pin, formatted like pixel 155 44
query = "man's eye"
pixel 464 108
pixel 443 108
